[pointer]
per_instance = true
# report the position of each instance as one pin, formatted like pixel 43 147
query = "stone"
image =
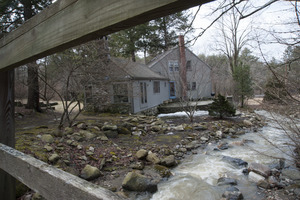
pixel 37 196
pixel 168 161
pixel 90 173
pixel 109 127
pixel 48 148
pixel 137 133
pixel 233 195
pixel 204 139
pixel 152 157
pixel 156 128
pixel 87 134
pixel 179 128
pixel 124 131
pixel 261 169
pixel 292 174
pixel 223 146
pixel 47 138
pixel 247 123
pixel 111 134
pixel 226 181
pixel 82 126
pixel 140 183
pixel 68 131
pixel 263 184
pixel 219 134
pixel 138 165
pixel 254 177
pixel 141 154
pixel 193 145
pixel 53 158
pixel 235 161
pixel 102 138
pixel 163 171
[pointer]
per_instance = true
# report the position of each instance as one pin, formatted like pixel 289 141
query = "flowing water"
pixel 196 177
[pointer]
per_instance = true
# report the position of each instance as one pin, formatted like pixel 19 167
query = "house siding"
pixel 200 73
pixel 153 99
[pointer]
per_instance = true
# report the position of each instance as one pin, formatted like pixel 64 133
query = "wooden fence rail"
pixel 50 182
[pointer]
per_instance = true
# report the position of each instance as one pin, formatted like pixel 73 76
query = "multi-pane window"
pixel 156 87
pixel 173 65
pixel 191 86
pixel 189 65
pixel 120 93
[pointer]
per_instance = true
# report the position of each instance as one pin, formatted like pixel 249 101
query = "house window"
pixel 120 93
pixel 173 65
pixel 143 88
pixel 193 85
pixel 156 87
pixel 189 65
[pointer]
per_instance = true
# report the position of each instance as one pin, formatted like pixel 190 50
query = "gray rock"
pixel 247 123
pixel 168 161
pixel 82 126
pixel 235 161
pixel 90 173
pixel 192 145
pixel 263 184
pixel 152 157
pixel 47 138
pixel 293 174
pixel 163 171
pixel 226 181
pixel 219 134
pixel 109 127
pixel 141 154
pixel 255 177
pixel 138 165
pixel 111 134
pixel 261 169
pixel 68 130
pixel 233 195
pixel 48 148
pixel 140 183
pixel 179 128
pixel 124 131
pixel 87 134
pixel 156 128
pixel 53 158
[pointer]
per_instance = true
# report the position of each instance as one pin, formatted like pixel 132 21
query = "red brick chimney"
pixel 182 70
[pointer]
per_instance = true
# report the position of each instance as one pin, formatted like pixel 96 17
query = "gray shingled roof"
pixel 136 70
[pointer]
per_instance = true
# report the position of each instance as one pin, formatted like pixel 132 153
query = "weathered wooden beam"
pixel 50 182
pixel 7 129
pixel 67 23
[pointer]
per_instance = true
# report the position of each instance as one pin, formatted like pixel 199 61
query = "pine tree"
pixel 243 82
pixel 221 107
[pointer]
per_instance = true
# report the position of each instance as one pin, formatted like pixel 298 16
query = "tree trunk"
pixel 7 130
pixel 33 98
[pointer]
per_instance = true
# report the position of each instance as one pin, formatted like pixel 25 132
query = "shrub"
pixel 221 107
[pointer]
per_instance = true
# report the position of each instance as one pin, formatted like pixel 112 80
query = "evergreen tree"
pixel 243 82
pixel 221 107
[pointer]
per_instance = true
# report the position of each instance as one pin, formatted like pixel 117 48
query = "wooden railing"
pixel 50 182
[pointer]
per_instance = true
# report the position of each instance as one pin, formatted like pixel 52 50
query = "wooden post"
pixel 7 130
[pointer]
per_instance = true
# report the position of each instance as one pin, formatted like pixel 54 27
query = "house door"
pixel 172 90
pixel 143 98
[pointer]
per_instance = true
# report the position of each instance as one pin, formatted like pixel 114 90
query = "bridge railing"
pixel 50 182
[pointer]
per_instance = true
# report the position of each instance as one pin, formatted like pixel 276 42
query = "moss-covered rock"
pixel 162 170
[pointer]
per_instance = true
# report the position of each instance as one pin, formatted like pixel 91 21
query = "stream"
pixel 197 176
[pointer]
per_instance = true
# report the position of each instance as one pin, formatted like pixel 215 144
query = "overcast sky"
pixel 275 17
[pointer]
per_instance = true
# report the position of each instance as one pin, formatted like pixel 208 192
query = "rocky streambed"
pixel 136 156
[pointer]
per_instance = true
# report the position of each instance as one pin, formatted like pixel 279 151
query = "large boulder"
pixel 226 181
pixel 235 161
pixel 90 173
pixel 140 183
pixel 168 161
pixel 261 169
